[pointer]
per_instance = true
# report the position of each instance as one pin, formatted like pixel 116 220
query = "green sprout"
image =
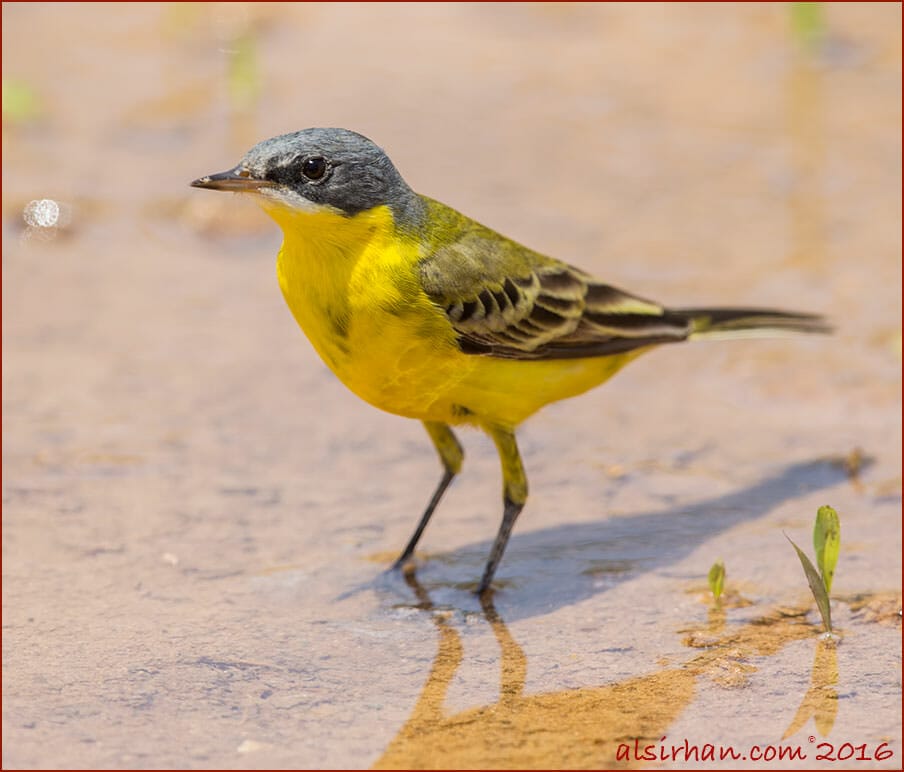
pixel 716 579
pixel 242 78
pixel 826 541
pixel 20 102
pixel 808 24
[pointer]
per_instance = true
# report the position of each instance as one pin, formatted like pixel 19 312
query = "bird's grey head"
pixel 317 169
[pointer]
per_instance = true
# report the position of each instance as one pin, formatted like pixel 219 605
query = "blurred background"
pixel 177 461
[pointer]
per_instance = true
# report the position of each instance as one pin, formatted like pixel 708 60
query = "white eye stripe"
pixel 287 199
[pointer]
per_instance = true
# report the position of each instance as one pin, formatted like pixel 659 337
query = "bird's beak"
pixel 238 180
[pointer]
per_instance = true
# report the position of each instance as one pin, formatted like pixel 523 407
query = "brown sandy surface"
pixel 197 516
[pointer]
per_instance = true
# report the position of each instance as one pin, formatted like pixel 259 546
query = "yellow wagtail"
pixel 424 312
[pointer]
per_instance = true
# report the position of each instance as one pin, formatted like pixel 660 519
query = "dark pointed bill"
pixel 237 179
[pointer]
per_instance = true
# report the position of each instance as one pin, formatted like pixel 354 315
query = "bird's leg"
pixel 451 454
pixel 514 494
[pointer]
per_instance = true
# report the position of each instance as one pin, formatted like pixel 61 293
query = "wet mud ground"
pixel 198 518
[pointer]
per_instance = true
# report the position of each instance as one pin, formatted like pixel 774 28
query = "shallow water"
pixel 198 518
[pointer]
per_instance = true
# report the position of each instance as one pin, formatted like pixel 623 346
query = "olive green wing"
pixel 504 300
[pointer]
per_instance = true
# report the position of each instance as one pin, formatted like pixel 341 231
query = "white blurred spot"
pixel 248 746
pixel 169 557
pixel 43 213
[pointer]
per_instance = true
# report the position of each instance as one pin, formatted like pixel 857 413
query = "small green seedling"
pixel 716 579
pixel 20 102
pixel 243 78
pixel 826 541
pixel 807 24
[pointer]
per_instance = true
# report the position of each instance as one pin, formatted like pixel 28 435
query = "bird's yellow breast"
pixel 352 284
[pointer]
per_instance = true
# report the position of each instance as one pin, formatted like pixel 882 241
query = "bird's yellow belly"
pixel 404 374
pixel 409 364
pixel 506 391
pixel 395 368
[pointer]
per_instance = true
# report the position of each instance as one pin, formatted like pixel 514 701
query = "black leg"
pixel 514 486
pixel 425 518
pixel 509 515
pixel 450 453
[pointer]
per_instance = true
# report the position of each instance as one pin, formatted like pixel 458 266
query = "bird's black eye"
pixel 314 168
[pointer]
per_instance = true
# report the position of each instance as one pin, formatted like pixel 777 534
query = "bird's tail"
pixel 714 323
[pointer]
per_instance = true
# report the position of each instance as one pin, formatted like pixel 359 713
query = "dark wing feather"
pixel 504 300
pixel 564 314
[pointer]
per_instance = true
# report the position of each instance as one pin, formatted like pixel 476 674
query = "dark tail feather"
pixel 749 322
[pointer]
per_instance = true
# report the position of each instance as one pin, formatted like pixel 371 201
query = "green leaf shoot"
pixel 807 24
pixel 826 542
pixel 20 102
pixel 817 586
pixel 243 78
pixel 716 579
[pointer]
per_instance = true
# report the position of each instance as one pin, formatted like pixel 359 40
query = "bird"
pixel 424 312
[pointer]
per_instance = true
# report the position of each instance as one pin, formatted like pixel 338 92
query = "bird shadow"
pixel 565 564
pixel 594 724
